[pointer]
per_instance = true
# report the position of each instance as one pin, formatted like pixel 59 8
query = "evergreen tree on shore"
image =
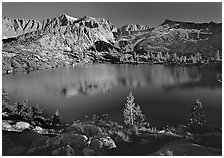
pixel 197 122
pixel 133 115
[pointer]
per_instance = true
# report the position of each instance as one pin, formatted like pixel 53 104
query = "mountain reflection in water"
pixel 91 82
pixel 102 88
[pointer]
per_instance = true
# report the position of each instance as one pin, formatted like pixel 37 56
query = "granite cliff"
pixel 67 41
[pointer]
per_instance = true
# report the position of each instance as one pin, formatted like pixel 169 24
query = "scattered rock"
pixel 88 152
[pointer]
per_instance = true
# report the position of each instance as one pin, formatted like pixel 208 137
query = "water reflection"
pixel 98 89
pixel 100 79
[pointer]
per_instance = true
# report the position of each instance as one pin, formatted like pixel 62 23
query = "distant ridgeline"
pixel 66 41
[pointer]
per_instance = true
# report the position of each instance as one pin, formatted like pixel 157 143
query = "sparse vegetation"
pixel 133 115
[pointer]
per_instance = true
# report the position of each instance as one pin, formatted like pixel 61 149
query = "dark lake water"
pixel 165 93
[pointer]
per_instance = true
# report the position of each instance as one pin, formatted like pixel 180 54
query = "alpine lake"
pixel 164 93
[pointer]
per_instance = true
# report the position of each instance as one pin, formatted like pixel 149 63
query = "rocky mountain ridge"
pixel 82 33
pixel 87 40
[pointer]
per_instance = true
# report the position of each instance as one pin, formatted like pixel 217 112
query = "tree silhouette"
pixel 132 112
pixel 197 122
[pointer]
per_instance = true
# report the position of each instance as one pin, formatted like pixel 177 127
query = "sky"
pixel 119 13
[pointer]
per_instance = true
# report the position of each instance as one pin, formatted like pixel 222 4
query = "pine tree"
pixel 197 122
pixel 132 113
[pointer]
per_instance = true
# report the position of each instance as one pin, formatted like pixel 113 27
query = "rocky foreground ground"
pixel 26 132
pixel 100 137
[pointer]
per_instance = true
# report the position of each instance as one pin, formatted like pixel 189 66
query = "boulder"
pixel 37 128
pixel 5 115
pixel 21 125
pixel 79 141
pixel 75 140
pixel 40 130
pixel 6 125
pixel 108 142
pixel 88 152
pixel 75 128
pixel 92 130
pixel 96 144
pixel 122 136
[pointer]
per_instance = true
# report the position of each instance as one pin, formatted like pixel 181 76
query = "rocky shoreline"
pixel 28 61
pixel 23 135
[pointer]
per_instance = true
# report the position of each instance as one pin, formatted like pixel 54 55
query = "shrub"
pixel 133 115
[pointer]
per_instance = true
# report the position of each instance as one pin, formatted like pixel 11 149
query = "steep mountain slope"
pixel 61 32
pixel 57 42
pixel 80 34
pixel 175 37
pixel 66 41
pixel 15 27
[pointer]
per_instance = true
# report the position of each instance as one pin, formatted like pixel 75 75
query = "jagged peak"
pixel 68 17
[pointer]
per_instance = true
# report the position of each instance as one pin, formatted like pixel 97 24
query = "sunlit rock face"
pixel 133 29
pixel 96 39
pixel 16 27
pixel 59 33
